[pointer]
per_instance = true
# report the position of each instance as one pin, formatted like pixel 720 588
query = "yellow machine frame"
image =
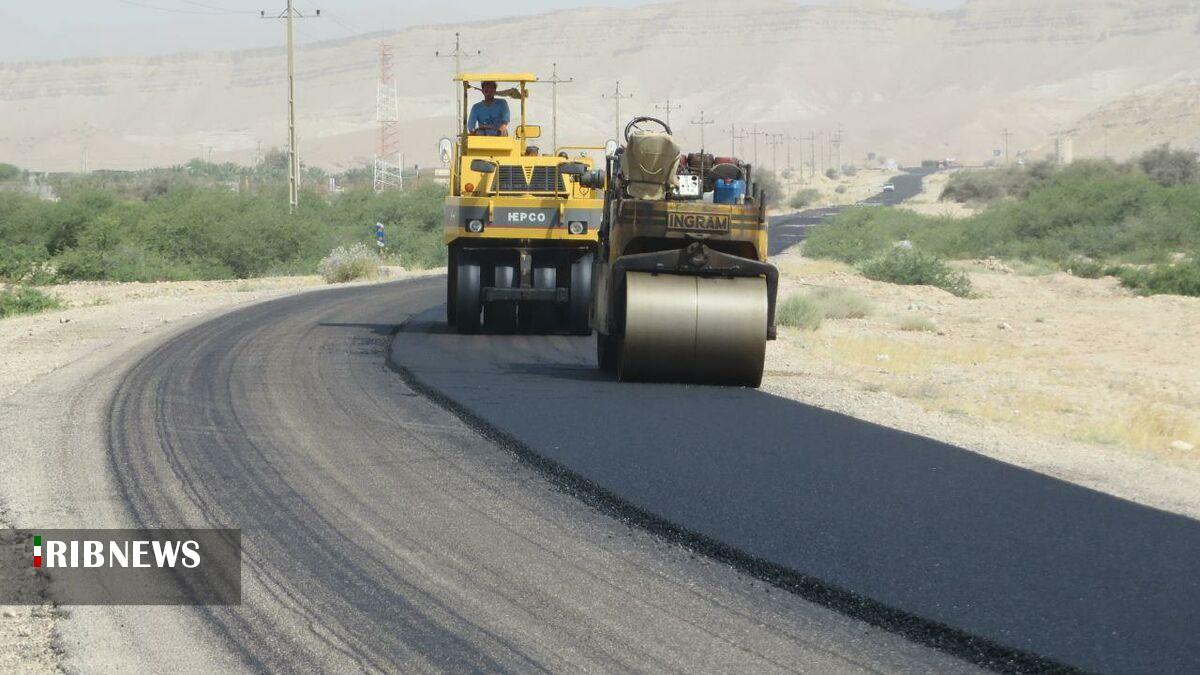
pixel 529 215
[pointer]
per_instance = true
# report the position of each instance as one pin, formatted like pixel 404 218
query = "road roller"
pixel 684 291
pixel 520 230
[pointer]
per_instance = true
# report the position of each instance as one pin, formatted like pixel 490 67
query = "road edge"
pixel 974 649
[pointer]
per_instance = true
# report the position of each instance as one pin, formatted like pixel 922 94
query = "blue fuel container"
pixel 727 191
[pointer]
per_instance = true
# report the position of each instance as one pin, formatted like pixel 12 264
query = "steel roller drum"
pixel 694 329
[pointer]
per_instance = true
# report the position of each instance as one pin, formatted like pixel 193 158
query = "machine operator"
pixel 490 116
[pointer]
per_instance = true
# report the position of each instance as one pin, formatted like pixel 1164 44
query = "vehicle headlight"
pixel 576 227
pixel 475 226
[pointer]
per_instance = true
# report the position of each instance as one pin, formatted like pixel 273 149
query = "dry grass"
pixel 915 323
pixel 798 266
pixel 907 356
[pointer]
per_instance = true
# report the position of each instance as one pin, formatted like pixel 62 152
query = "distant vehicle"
pixel 889 188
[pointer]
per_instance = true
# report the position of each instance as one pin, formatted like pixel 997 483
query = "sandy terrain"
pixel 102 322
pixel 901 81
pixel 1072 377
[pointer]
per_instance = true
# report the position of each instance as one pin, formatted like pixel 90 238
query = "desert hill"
pixel 899 81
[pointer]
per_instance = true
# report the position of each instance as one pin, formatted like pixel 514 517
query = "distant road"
pixel 790 229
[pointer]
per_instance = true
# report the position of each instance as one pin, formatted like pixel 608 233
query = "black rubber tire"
pixel 581 296
pixel 451 277
pixel 544 314
pixel 467 312
pixel 606 352
pixel 501 316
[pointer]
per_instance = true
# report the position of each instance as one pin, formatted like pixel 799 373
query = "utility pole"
pixel 734 137
pixel 293 157
pixel 1007 136
pixel 702 122
pixel 667 109
pixel 554 81
pixel 754 137
pixel 616 96
pixel 774 140
pixel 812 155
pixel 457 54
pixel 837 145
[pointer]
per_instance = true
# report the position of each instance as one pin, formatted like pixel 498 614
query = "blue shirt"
pixel 492 115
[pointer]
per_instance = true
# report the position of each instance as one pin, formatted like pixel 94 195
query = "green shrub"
pixel 914 268
pixel 1086 268
pixel 1178 279
pixel 769 184
pixel 24 300
pixel 800 311
pixel 804 198
pixel 173 226
pixel 24 264
pixel 1170 168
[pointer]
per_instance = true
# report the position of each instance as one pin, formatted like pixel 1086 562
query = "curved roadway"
pixel 382 533
pixel 1000 565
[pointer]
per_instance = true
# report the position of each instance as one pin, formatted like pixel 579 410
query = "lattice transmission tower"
pixel 388 159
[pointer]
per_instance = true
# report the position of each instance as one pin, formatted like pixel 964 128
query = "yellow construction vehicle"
pixel 683 288
pixel 520 230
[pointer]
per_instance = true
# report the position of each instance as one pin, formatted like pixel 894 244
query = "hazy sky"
pixel 53 29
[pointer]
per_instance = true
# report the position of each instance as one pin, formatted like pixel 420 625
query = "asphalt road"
pixel 790 229
pixel 383 533
pixel 997 564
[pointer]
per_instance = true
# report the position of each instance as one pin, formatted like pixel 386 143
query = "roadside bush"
pixel 1170 168
pixel 1086 268
pixel 914 268
pixel 349 263
pixel 182 229
pixel 1179 279
pixel 24 300
pixel 8 172
pixel 800 311
pixel 831 173
pixel 804 198
pixel 769 183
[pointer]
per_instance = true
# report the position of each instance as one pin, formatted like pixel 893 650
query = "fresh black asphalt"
pixel 903 523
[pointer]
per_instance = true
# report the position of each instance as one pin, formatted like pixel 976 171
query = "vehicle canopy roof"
pixel 495 77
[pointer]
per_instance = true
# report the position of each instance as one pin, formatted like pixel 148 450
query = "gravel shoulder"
pixel 57 369
pixel 1075 378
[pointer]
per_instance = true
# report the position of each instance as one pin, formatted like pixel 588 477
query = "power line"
pixel 293 158
pixel 616 97
pixel 224 10
pixel 734 137
pixel 554 81
pixel 175 10
pixel 667 109
pixel 457 54
pixel 701 122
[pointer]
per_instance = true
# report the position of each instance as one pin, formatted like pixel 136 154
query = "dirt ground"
pixel 98 316
pixel 1073 377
